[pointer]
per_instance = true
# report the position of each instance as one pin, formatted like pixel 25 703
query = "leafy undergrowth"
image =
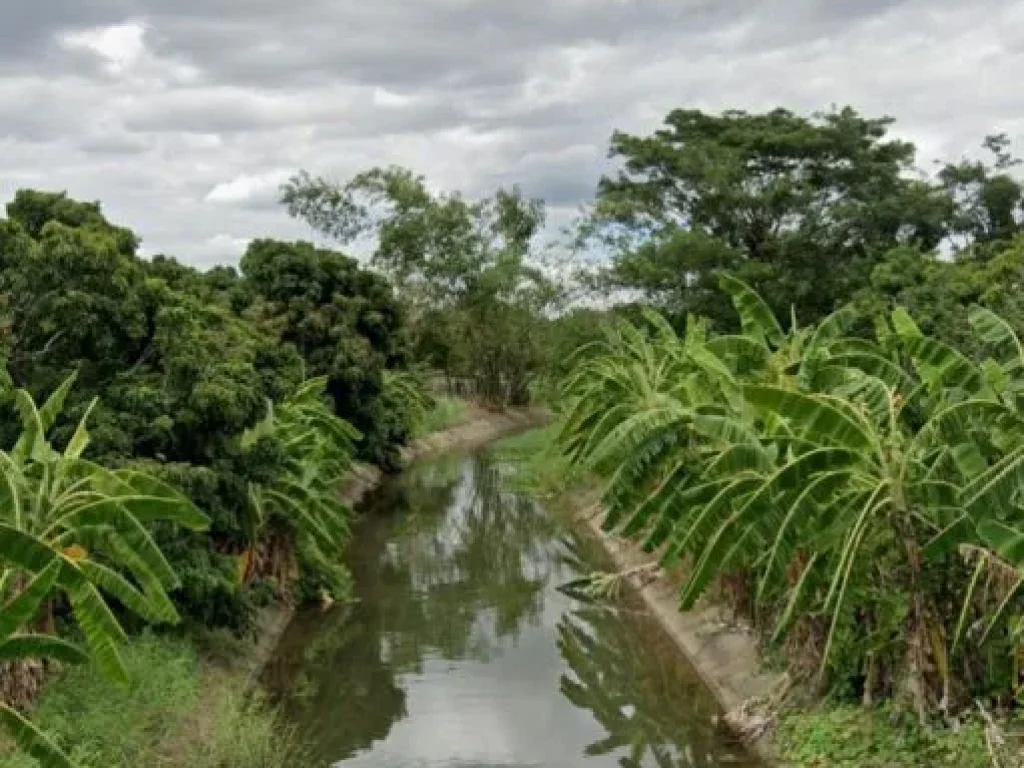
pixel 849 735
pixel 175 712
pixel 446 413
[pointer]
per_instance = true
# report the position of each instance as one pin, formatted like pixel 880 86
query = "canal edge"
pixel 724 654
pixel 482 428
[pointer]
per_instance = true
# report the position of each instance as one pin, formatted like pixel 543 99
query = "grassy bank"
pixel 834 734
pixel 536 465
pixel 183 707
pixel 446 413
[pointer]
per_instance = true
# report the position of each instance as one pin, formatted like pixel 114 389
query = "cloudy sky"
pixel 183 116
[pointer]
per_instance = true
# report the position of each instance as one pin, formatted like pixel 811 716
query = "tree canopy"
pixel 803 207
pixel 467 269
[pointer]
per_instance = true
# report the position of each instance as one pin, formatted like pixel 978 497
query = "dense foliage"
pixel 184 364
pixel 468 270
pixel 197 391
pixel 345 323
pixel 69 525
pixel 859 497
pixel 805 208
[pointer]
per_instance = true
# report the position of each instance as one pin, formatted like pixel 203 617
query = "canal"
pixel 461 652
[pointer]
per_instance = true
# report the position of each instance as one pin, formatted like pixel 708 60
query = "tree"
pixel 989 200
pixel 801 207
pixel 181 374
pixel 467 268
pixel 345 323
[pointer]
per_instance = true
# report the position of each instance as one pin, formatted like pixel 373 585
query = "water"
pixel 462 653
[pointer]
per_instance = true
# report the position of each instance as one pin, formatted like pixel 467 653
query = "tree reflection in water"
pixel 451 569
pixel 655 711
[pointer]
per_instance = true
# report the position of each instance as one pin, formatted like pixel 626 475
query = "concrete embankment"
pixel 723 652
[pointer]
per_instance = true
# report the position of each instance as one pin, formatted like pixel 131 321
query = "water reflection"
pixel 461 651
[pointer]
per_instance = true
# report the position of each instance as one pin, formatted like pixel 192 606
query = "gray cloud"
pixel 183 117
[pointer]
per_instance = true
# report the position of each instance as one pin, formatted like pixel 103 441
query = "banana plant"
pixel 71 525
pixel 827 470
pixel 318 449
pixel 94 517
pixel 637 401
pixel 409 389
pixel 767 352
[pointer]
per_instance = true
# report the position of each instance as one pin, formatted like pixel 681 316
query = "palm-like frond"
pixel 69 524
pixel 800 460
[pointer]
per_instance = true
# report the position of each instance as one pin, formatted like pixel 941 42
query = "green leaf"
pixel 35 423
pixel 1001 610
pixel 18 647
pixel 24 550
pixel 816 418
pixel 997 488
pixel 150 607
pixel 904 324
pixel 32 741
pixel 996 333
pixel 941 365
pixel 1005 541
pixel 949 538
pixel 965 607
pixel 23 607
pixel 80 439
pixel 841 579
pixel 795 596
pixel 111 513
pixel 831 328
pixel 101 629
pixel 756 318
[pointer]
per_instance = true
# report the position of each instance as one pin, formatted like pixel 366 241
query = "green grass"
pixel 446 413
pixel 173 713
pixel 536 464
pixel 852 736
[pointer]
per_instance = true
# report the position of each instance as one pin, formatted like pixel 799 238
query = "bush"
pixel 173 713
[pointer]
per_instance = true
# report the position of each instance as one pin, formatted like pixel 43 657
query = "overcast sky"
pixel 183 116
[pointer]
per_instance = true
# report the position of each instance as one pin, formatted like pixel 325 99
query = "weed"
pixel 840 736
pixel 174 712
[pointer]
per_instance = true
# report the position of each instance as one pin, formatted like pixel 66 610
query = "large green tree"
pixel 802 207
pixel 989 198
pixel 346 324
pixel 468 268
pixel 181 374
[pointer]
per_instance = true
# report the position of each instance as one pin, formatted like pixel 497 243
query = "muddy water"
pixel 462 653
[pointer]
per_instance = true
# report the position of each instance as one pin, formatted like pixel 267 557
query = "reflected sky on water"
pixel 462 653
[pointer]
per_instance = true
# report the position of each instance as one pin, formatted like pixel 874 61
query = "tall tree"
pixel 801 206
pixel 989 199
pixel 346 324
pixel 467 267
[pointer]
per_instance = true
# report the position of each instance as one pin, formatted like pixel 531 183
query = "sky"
pixel 183 117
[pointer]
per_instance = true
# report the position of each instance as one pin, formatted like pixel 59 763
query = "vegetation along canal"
pixel 462 652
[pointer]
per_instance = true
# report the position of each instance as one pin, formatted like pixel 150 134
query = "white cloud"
pixel 248 188
pixel 119 45
pixel 184 117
